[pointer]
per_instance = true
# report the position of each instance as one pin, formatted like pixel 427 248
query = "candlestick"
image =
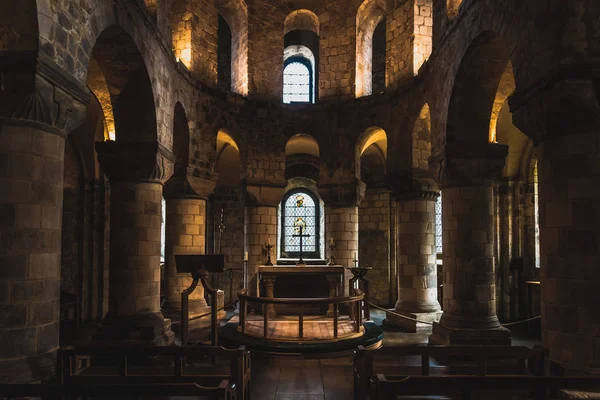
pixel 331 241
pixel 245 256
pixel 331 248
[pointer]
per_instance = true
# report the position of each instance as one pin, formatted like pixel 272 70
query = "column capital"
pixel 39 93
pixel 350 194
pixel 261 194
pixel 561 107
pixel 467 163
pixel 416 188
pixel 189 186
pixel 135 161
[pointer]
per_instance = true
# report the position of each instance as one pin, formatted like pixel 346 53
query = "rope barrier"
pixel 430 323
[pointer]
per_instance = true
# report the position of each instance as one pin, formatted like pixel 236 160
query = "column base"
pixel 407 325
pixel 446 336
pixel 196 324
pixel 150 329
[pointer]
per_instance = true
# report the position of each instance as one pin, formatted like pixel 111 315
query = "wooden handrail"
pixel 112 390
pixel 388 387
pixel 310 301
pixel 265 301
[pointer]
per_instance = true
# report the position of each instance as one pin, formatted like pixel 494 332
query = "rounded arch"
pixel 302 19
pixel 452 8
pixel 181 139
pixel 369 15
pixel 128 83
pixel 372 143
pixel 421 140
pixel 235 14
pixel 475 89
pixel 302 144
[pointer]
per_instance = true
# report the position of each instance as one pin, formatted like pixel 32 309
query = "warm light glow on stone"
pixel 505 88
pixel 223 138
pixel 374 135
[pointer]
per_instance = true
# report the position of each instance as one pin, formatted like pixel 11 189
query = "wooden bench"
pixel 528 362
pixel 392 387
pixel 171 364
pixel 223 391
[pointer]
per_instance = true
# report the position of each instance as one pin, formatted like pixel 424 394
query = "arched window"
pixel 536 214
pixel 300 214
pixel 298 80
pixel 438 226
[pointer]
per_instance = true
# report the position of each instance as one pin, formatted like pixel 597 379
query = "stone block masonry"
pixel 31 173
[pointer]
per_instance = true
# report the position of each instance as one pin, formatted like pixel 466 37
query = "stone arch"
pixel 452 8
pixel 302 144
pixel 373 143
pixel 235 13
pixel 129 85
pixel 421 140
pixel 228 162
pixel 301 20
pixel 369 15
pixel 181 139
pixel 475 89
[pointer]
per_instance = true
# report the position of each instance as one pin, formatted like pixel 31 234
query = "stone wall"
pixel 374 243
pixel 232 244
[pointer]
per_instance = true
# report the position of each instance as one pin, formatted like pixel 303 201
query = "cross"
pixel 300 229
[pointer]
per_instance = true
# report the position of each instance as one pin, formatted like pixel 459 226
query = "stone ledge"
pixel 407 325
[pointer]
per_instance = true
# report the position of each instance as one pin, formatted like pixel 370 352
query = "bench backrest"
pixel 528 358
pixel 223 391
pixel 73 361
pixel 389 387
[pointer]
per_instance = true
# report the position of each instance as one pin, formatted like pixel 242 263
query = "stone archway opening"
pixel 370 47
pixel 233 45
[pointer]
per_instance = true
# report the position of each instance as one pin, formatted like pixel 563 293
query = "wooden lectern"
pixel 200 266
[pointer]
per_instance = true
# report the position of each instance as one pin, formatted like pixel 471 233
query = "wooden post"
pixel 425 365
pixel 301 325
pixel 243 311
pixel 213 320
pixel 367 307
pixel 335 320
pixel 358 316
pixel 265 320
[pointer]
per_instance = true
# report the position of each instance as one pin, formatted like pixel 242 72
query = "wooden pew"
pixel 224 391
pixel 530 362
pixel 392 387
pixel 117 365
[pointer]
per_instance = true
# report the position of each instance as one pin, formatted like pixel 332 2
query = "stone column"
pixel 260 228
pixel 341 223
pixel 185 234
pixel 31 175
pixel 417 269
pixel 136 172
pixel 39 104
pixel 466 172
pixel 563 122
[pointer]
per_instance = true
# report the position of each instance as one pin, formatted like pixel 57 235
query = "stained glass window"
pixel 163 230
pixel 297 81
pixel 300 216
pixel 438 225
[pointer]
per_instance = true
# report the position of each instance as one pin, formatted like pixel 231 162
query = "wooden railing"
pixel 76 366
pixel 391 387
pixel 527 361
pixel 224 391
pixel 354 302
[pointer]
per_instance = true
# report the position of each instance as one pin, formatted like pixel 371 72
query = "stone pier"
pixel 136 172
pixel 466 172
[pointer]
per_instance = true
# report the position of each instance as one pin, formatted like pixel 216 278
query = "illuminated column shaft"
pixel 468 172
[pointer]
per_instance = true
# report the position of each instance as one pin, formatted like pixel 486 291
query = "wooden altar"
pixel 268 276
